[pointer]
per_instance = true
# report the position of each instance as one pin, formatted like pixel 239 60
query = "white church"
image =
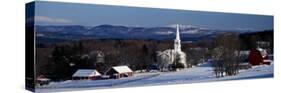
pixel 169 56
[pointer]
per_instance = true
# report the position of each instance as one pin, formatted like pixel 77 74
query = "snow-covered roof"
pixel 43 79
pixel 86 73
pixel 122 69
pixel 262 51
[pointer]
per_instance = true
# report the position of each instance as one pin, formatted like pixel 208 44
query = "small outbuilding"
pixel 42 80
pixel 86 74
pixel 119 72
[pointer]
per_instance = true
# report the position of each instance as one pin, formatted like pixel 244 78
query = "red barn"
pixel 258 56
pixel 119 72
pixel 255 57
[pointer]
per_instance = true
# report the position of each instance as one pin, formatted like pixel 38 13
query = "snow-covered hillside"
pixel 201 73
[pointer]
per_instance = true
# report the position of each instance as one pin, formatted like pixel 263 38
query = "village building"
pixel 263 44
pixel 259 56
pixel 170 56
pixel 88 74
pixel 119 72
pixel 98 56
pixel 42 80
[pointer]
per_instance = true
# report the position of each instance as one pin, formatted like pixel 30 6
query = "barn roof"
pixel 122 69
pixel 86 73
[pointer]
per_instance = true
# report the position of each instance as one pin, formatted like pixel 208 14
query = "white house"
pixel 89 74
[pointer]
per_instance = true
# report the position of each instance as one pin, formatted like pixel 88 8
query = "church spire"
pixel 177 34
pixel 177 42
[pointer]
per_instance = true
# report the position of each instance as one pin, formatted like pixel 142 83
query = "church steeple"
pixel 178 34
pixel 177 42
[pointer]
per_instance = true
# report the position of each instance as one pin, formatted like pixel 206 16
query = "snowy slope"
pixel 201 73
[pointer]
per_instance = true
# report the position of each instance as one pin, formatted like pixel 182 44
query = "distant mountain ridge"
pixel 77 32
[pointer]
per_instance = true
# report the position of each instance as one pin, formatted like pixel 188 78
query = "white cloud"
pixel 49 20
pixel 182 26
pixel 245 29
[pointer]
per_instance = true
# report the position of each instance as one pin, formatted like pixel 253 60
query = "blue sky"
pixel 55 13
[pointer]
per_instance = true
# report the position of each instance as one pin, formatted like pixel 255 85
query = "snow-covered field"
pixel 201 73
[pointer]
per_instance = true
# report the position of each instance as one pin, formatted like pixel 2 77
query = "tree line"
pixel 58 61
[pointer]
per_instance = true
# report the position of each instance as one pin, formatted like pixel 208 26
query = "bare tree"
pixel 226 54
